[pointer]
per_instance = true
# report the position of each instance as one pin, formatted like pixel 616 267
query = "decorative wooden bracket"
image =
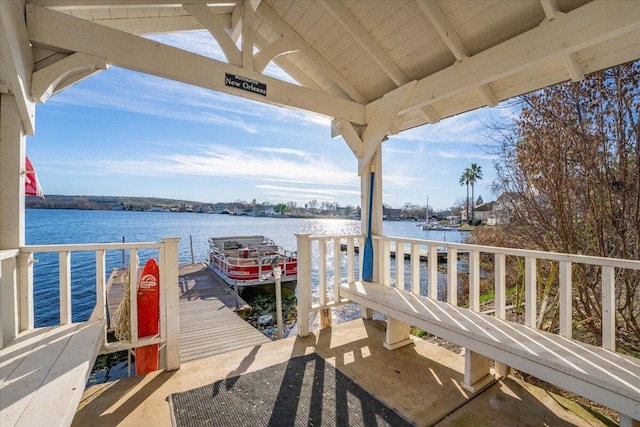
pixel 64 73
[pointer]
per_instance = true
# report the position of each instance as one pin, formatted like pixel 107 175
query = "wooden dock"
pixel 209 324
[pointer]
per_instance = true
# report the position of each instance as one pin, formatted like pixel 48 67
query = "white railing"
pixel 333 267
pixel 169 314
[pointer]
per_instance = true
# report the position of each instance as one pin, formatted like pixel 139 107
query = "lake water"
pixel 53 226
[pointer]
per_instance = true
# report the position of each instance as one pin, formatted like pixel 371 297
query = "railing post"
pixel 474 280
pixel 566 304
pixel 133 295
pixel 500 368
pixel 325 312
pixel 432 268
pixel 400 265
pixel 384 251
pixel 64 258
pixel 415 268
pixel 171 319
pixel 25 285
pixel 337 269
pixel 101 306
pixel 452 276
pixel 303 287
pixel 530 301
pixel 608 308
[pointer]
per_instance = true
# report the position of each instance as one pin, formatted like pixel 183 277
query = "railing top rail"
pixel 90 247
pixel 341 236
pixel 8 253
pixel 552 256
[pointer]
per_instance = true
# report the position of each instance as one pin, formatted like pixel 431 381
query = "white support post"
pixel 609 308
pixel 398 334
pixel 474 280
pixel 566 300
pixel 25 284
pixel 432 266
pixel 477 372
pixel 303 288
pixel 400 265
pixel 452 276
pixel 415 268
pixel 169 279
pixel 9 304
pixel 530 285
pixel 65 287
pixel 12 225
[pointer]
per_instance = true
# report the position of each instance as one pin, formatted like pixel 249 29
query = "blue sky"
pixel 125 133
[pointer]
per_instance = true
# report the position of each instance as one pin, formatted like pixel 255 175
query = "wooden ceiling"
pixel 445 56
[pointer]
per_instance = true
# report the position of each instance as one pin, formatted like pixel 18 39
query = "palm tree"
pixel 465 180
pixel 475 174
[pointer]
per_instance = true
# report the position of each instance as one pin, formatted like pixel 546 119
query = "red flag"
pixel 31 184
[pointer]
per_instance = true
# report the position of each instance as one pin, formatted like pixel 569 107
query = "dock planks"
pixel 208 322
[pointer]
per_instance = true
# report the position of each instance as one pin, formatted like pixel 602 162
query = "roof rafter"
pixel 116 4
pixel 284 29
pixel 155 58
pixel 587 26
pixel 364 39
pixel 552 11
pixel 203 14
pixel 450 36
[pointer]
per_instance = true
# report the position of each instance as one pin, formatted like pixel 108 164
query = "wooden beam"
pixel 327 69
pixel 552 11
pixel 364 39
pixel 587 26
pixel 159 25
pixel 379 120
pixel 208 19
pixel 450 36
pixel 350 135
pixel 248 36
pixel 58 31
pixel 16 61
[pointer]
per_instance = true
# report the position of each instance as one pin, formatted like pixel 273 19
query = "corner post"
pixel 169 279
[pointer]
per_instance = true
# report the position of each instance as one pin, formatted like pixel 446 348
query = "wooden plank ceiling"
pixel 461 54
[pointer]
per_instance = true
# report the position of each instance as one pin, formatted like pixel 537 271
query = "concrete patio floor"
pixel 420 381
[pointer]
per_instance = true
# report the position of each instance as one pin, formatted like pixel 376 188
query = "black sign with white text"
pixel 245 84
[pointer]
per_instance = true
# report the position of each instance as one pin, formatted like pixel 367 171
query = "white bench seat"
pixel 604 376
pixel 43 373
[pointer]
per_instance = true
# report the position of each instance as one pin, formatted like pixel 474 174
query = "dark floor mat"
pixel 305 391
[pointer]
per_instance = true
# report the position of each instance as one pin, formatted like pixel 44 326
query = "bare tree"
pixel 569 176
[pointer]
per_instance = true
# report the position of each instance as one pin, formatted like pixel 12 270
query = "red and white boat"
pixel 249 260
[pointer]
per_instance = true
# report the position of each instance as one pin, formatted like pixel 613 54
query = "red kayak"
pixel 148 317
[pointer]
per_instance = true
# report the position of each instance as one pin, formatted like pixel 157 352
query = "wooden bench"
pixel 604 376
pixel 43 373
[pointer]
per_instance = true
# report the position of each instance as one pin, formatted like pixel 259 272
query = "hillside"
pixel 54 201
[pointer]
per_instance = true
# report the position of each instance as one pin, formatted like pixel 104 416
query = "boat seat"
pixel 43 373
pixel 604 376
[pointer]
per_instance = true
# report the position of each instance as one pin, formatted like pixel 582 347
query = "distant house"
pixel 391 214
pixel 484 212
